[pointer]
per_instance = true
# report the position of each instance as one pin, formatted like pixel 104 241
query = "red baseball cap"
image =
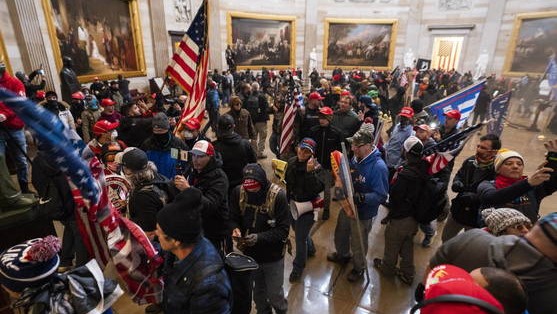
pixel 455 114
pixel 107 102
pixel 40 94
pixel 202 148
pixel 327 111
pixel 407 112
pixel 192 124
pixel 316 95
pixel 451 280
pixel 345 93
pixel 78 95
pixel 424 127
pixel 104 126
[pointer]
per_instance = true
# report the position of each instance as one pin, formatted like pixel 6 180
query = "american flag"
pixel 290 109
pixel 403 79
pixel 189 65
pixel 442 153
pixel 107 235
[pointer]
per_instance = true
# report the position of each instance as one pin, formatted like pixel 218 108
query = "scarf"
pixel 502 182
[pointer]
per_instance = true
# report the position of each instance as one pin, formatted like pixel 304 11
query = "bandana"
pixel 251 186
pixel 502 182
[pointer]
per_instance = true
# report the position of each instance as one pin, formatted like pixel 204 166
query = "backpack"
pixel 432 200
pixel 266 208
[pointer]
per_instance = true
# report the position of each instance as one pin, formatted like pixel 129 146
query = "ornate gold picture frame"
pixel 357 43
pixel 4 55
pixel 102 37
pixel 532 43
pixel 262 40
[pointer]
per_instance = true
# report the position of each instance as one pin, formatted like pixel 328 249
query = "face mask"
pixel 114 135
pixel 161 137
pixel 188 135
pixel 51 105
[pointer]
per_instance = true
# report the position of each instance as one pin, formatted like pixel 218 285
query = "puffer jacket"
pixel 198 283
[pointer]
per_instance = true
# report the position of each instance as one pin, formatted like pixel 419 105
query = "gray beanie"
pixel 499 219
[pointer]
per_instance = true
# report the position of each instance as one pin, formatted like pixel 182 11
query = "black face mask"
pixel 51 105
pixel 162 138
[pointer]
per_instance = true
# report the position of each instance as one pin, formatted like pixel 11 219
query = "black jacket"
pixel 301 186
pixel 404 193
pixel 272 230
pixel 470 175
pixel 198 283
pixel 213 183
pixel 307 119
pixel 520 195
pixel 51 183
pixel 236 153
pixel 328 139
pixel 258 107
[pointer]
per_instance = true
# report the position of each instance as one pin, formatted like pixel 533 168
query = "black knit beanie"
pixel 181 219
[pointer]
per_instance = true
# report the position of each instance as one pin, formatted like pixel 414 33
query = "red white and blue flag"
pixel 463 100
pixel 107 235
pixel 189 66
pixel 441 154
pixel 290 108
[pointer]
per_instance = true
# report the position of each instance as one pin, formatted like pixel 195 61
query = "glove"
pixel 457 186
pixel 419 292
pixel 359 198
pixel 250 239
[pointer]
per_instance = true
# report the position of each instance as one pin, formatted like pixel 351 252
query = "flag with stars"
pixel 440 154
pixel 290 108
pixel 108 236
pixel 189 66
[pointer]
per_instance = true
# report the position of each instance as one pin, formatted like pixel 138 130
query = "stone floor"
pixel 324 288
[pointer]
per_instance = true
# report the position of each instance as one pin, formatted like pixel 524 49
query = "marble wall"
pixel 485 24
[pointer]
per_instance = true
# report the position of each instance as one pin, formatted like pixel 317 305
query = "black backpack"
pixel 432 200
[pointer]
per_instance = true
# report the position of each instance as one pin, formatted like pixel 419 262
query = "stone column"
pixel 310 36
pixel 414 29
pixel 32 38
pixel 160 36
pixel 216 46
pixel 491 30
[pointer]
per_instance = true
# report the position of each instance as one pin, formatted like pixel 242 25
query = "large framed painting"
pixel 103 37
pixel 363 44
pixel 533 42
pixel 262 40
pixel 4 55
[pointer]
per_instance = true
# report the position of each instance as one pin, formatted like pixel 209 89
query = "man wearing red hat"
pixel 208 176
pixel 76 109
pixel 109 113
pixel 190 132
pixel 309 116
pixel 401 131
pixel 104 132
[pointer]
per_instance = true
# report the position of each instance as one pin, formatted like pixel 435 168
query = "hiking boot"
pixel 443 216
pixel 335 258
pixel 404 278
pixel 261 156
pixel 295 276
pixel 355 275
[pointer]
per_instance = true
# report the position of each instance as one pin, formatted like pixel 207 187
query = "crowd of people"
pixel 199 196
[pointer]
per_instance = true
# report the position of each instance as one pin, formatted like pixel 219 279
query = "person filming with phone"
pixel 512 189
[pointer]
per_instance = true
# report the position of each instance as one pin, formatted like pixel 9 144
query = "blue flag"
pixel 463 100
pixel 498 110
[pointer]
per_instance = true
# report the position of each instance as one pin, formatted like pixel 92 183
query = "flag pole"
pixel 350 197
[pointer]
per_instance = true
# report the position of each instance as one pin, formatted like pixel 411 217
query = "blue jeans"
pixel 347 238
pixel 268 291
pixel 427 229
pixel 302 227
pixel 18 137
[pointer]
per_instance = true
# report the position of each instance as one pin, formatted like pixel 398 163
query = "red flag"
pixel 189 65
